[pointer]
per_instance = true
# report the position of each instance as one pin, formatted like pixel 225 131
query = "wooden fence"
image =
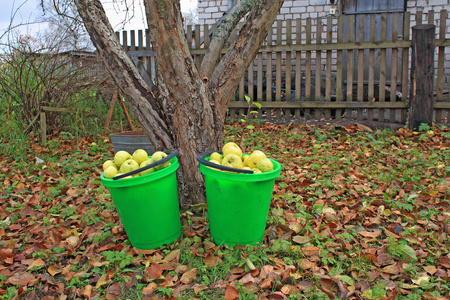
pixel 353 67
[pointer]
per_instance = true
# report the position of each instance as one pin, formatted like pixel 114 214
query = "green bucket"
pixel 148 207
pixel 238 204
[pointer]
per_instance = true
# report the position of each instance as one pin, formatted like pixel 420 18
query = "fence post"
pixel 422 75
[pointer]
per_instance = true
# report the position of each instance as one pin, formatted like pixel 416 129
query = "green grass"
pixel 363 214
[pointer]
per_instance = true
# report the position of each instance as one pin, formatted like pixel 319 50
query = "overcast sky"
pixel 27 11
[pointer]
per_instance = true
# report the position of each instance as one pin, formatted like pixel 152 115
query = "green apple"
pixel 124 177
pixel 214 161
pixel 158 155
pixel 232 161
pixel 120 157
pixel 140 155
pixel 265 165
pixel 246 168
pixel 148 171
pixel 110 172
pixel 254 158
pixel 109 163
pixel 128 166
pixel 231 149
pixel 216 156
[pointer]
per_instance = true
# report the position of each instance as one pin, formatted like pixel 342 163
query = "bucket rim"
pixel 111 183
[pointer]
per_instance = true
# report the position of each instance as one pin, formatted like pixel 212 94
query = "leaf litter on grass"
pixel 356 214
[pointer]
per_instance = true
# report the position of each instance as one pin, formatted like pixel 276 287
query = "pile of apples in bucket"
pixel 233 157
pixel 124 162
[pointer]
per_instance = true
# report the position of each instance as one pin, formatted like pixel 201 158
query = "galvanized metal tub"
pixel 130 141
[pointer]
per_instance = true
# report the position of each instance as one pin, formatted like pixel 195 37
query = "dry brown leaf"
pixel 189 276
pixel 102 281
pixel 211 261
pixel 22 278
pixel 154 271
pixel 175 254
pixel 149 288
pixel 36 263
pixel 231 293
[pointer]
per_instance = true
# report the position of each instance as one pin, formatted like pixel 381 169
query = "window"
pixel 372 6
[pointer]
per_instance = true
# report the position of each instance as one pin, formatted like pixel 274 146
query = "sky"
pixel 27 11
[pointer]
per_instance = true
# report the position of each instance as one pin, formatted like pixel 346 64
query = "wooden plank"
pixel 339 55
pixel 360 87
pixel 430 17
pixel 206 38
pixel 308 67
pixel 288 83
pixel 110 111
pixel 140 40
pixel 318 61
pixel 330 105
pixel 149 63
pixel 125 40
pixel 422 67
pixel 349 98
pixel 269 74
pixel 382 91
pixel 371 84
pixel 43 120
pixel 198 58
pixel 259 79
pixel 278 68
pixel 57 109
pixel 394 66
pixel 189 37
pixel 132 41
pixel 405 65
pixel 298 67
pixel 419 17
pixel 334 46
pixel 328 66
pixel 238 113
pixel 440 67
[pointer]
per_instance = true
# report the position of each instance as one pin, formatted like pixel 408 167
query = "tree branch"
pixel 242 52
pixel 221 36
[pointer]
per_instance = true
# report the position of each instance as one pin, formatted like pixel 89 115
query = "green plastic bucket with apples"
pixel 148 206
pixel 238 203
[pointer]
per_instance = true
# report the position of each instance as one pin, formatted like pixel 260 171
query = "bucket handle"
pixel 201 159
pixel 171 154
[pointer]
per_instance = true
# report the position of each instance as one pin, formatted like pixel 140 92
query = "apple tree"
pixel 187 108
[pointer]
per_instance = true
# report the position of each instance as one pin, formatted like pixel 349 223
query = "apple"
pixel 254 158
pixel 148 171
pixel 214 161
pixel 246 168
pixel 232 161
pixel 256 171
pixel 216 156
pixel 109 163
pixel 265 165
pixel 232 150
pixel 124 177
pixel 158 155
pixel 128 166
pixel 140 155
pixel 120 157
pixel 110 172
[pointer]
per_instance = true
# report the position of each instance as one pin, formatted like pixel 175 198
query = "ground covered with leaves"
pixel 356 214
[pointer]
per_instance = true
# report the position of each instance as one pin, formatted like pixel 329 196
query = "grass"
pixel 355 214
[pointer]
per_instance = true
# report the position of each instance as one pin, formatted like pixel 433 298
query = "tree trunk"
pixel 189 111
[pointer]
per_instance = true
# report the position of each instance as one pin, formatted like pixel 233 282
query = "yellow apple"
pixel 128 166
pixel 158 155
pixel 232 161
pixel 265 165
pixel 216 156
pixel 110 172
pixel 109 163
pixel 148 171
pixel 140 155
pixel 231 149
pixel 256 171
pixel 120 157
pixel 254 158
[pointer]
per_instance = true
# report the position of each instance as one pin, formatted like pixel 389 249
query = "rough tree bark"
pixel 188 109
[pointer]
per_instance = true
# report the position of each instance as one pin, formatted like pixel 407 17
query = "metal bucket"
pixel 130 141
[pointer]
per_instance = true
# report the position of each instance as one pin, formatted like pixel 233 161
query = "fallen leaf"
pixel 301 239
pixel 36 263
pixel 211 261
pixel 54 269
pixel 189 276
pixel 154 271
pixel 149 288
pixel 22 278
pixel 198 288
pixel 231 293
pixel 102 281
pixel 175 254
pixel 430 269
